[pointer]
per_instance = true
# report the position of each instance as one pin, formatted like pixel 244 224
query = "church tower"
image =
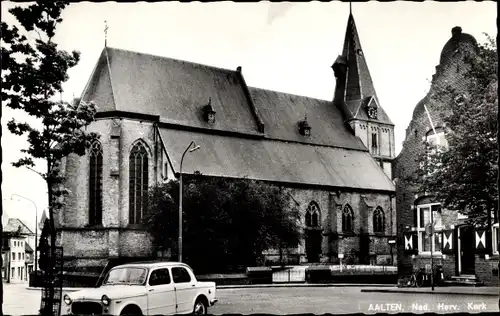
pixel 355 96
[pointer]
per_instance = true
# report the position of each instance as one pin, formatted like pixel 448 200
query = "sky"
pixel 286 47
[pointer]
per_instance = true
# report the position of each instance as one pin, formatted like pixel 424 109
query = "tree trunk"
pixel 50 275
pixel 498 146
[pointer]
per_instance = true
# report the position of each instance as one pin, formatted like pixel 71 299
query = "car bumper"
pixel 212 302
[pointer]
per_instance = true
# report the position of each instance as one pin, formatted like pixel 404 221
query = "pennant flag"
pixel 408 242
pixel 447 245
pixel 480 239
pixel 411 243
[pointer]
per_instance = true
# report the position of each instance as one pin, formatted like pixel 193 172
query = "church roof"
pixel 267 145
pixel 359 86
pixel 282 111
pixel 175 90
pixel 277 161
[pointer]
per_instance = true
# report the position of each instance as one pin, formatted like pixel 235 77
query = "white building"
pixel 14 239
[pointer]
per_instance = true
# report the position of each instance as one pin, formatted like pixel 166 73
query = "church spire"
pixel 354 89
pixel 106 33
pixel 359 84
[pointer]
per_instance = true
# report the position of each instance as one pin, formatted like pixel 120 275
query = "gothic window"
pixel 347 219
pixel 378 220
pixel 138 183
pixel 313 215
pixel 95 184
pixel 308 219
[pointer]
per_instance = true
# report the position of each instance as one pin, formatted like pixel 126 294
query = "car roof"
pixel 152 264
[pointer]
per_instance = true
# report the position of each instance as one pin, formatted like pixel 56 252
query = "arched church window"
pixel 308 219
pixel 95 184
pixel 313 215
pixel 378 220
pixel 347 219
pixel 138 183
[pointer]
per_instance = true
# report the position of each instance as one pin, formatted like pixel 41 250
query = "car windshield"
pixel 126 275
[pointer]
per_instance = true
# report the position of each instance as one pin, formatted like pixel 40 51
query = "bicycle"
pixel 417 278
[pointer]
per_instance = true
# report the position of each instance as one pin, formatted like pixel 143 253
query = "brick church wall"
pixel 117 138
pixel 115 238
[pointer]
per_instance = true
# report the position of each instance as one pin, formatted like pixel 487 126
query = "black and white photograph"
pixel 261 157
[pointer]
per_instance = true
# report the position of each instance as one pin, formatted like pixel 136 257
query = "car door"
pixel 161 294
pixel 185 289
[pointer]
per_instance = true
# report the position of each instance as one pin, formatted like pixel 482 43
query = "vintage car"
pixel 148 288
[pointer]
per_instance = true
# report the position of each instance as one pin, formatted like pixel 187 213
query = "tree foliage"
pixel 33 71
pixel 226 222
pixel 464 176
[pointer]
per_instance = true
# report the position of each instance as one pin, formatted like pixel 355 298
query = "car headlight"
pixel 105 300
pixel 67 299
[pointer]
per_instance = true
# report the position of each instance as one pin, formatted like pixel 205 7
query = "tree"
pixel 33 72
pixel 227 222
pixel 464 176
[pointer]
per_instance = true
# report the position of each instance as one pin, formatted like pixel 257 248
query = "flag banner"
pixel 410 242
pixel 448 244
pixel 482 241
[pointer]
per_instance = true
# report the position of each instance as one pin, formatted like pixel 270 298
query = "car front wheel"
pixel 200 308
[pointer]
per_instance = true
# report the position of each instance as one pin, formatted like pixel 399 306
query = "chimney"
pixel 238 69
pixel 456 32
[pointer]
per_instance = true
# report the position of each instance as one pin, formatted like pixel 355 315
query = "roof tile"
pixel 281 113
pixel 284 161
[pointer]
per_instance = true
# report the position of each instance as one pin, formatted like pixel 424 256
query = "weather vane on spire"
pixel 106 33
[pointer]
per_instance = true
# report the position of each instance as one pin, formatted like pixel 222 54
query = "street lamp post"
pixel 36 226
pixel 192 147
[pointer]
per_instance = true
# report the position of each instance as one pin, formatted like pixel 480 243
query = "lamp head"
pixel 195 147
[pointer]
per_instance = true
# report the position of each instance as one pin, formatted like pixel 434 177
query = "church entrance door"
pixel 313 244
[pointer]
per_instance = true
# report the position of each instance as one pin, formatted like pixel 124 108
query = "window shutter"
pixel 480 241
pixel 448 244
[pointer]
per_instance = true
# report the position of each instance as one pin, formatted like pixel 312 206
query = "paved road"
pixel 336 300
pixel 18 300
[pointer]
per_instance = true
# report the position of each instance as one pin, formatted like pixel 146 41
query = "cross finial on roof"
pixel 106 33
pixel 209 100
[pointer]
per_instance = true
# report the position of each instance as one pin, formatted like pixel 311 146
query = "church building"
pixel 333 156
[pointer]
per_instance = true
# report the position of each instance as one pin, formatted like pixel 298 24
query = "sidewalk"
pixel 453 290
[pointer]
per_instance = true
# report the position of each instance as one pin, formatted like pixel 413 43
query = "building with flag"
pixel 333 156
pixel 465 253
